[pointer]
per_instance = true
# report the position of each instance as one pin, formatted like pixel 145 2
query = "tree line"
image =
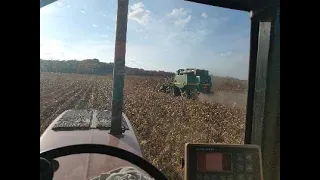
pixel 93 66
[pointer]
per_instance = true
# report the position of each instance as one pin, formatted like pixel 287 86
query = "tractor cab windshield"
pixel 145 89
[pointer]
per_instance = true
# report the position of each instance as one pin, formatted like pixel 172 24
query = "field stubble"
pixel 162 123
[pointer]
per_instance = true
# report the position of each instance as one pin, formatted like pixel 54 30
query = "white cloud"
pixel 178 13
pixel 180 17
pixel 204 15
pixel 136 6
pixel 94 25
pixel 139 14
pixel 183 21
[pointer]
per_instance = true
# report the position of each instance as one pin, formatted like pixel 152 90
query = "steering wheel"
pixel 46 169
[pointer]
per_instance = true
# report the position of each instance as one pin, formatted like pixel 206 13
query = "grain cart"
pixel 205 80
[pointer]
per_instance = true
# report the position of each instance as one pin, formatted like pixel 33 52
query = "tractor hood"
pixel 87 126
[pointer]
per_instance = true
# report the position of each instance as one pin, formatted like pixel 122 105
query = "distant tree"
pixel 92 66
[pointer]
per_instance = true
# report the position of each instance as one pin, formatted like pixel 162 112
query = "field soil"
pixel 162 123
pixel 232 99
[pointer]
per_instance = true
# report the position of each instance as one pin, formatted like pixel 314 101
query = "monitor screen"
pixel 213 162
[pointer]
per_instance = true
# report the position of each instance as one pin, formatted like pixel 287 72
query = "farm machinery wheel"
pixel 194 94
pixel 189 94
pixel 165 89
pixel 176 91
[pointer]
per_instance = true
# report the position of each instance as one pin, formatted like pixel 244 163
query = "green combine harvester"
pixel 189 82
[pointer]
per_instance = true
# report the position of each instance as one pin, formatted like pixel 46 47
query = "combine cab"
pixel 188 83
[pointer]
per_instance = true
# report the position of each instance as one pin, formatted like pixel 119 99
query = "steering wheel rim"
pixel 105 150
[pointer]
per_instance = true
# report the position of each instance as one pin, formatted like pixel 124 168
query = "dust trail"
pixel 233 99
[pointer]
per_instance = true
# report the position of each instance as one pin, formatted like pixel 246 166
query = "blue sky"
pixel 162 34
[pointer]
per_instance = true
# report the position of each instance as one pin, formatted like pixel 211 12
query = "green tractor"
pixel 188 83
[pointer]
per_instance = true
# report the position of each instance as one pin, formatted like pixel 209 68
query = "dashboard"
pixel 222 162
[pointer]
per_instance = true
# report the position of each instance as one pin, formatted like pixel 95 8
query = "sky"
pixel 161 35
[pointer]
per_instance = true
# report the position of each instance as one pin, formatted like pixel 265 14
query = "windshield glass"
pixel 186 71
